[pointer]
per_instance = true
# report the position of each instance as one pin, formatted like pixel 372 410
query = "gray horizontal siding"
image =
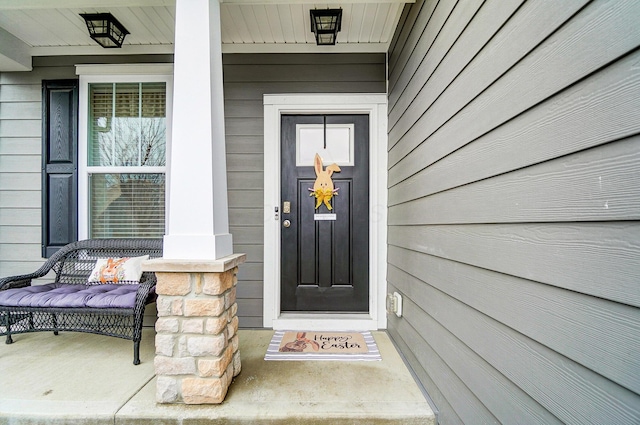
pixel 490 97
pixel 604 270
pixel 20 165
pixel 253 90
pixel 602 105
pixel 539 192
pixel 247 78
pixel 370 72
pixel 514 229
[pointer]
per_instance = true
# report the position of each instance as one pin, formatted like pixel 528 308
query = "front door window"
pixel 333 142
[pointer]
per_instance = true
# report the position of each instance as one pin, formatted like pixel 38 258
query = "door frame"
pixel 375 105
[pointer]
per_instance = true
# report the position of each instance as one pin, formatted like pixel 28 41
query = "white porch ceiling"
pixel 44 27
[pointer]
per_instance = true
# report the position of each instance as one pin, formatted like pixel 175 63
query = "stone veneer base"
pixel 197 353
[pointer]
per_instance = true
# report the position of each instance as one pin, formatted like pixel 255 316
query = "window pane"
pixel 310 139
pixel 126 205
pixel 127 124
pixel 153 124
pixel 154 100
pixel 100 123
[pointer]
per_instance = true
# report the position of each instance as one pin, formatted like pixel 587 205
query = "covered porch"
pixel 69 379
pixel 510 216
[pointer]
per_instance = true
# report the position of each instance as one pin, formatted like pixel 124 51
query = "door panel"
pixel 325 263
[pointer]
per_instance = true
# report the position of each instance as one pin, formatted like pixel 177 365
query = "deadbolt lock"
pixel 286 207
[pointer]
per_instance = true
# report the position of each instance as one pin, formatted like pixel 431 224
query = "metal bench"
pixel 71 303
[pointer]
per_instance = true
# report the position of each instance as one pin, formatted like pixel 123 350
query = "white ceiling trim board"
pixel 311 2
pixel 63 4
pixel 97 50
pixel 306 48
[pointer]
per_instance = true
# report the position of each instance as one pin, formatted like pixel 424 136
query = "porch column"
pixel 198 221
pixel 197 352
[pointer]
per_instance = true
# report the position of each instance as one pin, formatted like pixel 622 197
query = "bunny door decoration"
pixel 323 188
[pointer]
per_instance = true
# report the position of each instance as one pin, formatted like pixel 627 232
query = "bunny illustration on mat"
pixel 300 344
pixel 323 188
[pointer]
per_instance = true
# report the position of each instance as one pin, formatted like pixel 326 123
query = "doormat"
pixel 341 346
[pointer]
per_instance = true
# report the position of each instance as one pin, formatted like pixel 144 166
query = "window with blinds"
pixel 126 156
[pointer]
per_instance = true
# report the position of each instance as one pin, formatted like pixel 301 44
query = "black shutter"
pixel 59 164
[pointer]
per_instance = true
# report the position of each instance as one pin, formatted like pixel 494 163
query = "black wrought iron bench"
pixel 110 306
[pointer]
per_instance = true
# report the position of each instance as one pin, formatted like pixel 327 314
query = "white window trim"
pixel 376 106
pixel 136 73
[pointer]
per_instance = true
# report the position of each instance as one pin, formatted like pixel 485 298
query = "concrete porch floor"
pixel 90 379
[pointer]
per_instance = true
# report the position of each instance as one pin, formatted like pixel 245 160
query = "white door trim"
pixel 376 106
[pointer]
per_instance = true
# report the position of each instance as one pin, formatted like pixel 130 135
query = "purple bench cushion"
pixel 59 295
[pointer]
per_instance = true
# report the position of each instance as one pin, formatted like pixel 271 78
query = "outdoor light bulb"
pixel 327 22
pixel 325 38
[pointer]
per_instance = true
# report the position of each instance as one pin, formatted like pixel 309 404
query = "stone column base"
pixel 197 353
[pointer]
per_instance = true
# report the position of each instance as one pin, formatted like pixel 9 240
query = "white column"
pixel 198 218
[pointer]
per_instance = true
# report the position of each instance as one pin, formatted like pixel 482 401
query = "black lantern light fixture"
pixel 325 24
pixel 105 29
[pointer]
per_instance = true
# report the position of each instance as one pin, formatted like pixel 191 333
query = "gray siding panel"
pixel 17 184
pixel 18 216
pixel 243 126
pixel 21 92
pixel 513 208
pixel 506 402
pixel 241 180
pixel 558 319
pixel 244 143
pixel 573 393
pixel 22 128
pixel 245 162
pixel 253 90
pixel 20 198
pixel 296 73
pixel 468 409
pixel 20 178
pixel 410 31
pixel 539 193
pixel 242 109
pixel 446 23
pixel 21 111
pixel 20 146
pixel 447 414
pixel 604 270
pixel 255 252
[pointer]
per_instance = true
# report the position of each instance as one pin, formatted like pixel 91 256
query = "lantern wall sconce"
pixel 105 29
pixel 325 24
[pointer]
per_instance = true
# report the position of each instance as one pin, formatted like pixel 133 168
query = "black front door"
pixel 325 230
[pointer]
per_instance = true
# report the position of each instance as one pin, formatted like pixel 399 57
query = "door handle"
pixel 286 223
